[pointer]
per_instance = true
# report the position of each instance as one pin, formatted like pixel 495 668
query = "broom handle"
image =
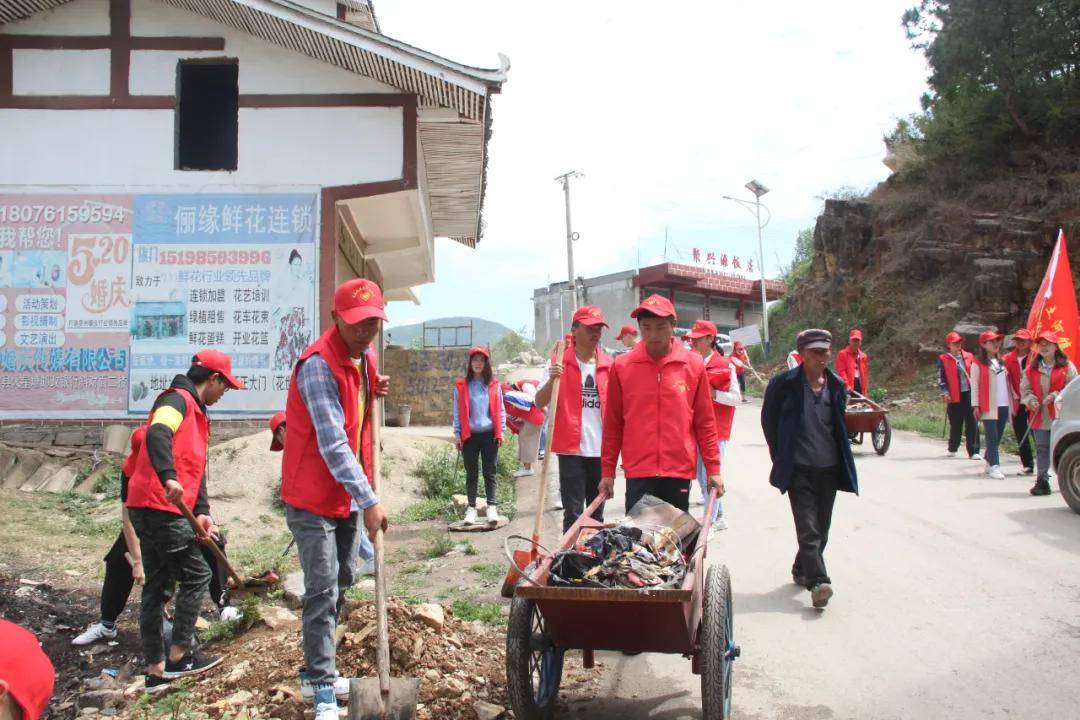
pixel 382 648
pixel 553 406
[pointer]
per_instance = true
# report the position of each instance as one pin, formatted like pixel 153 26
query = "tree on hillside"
pixel 1001 72
pixel 508 346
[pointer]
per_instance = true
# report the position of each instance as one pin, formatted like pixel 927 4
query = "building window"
pixel 208 101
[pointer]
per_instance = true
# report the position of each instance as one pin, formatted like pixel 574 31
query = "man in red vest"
pixel 954 383
pixel 1016 361
pixel 627 337
pixel 853 365
pixel 578 421
pixel 171 468
pixel 659 414
pixel 324 482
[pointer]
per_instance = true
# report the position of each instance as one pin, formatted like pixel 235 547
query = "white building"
pixel 183 173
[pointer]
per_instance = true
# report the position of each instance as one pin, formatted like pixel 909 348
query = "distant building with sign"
pixel 188 173
pixel 698 294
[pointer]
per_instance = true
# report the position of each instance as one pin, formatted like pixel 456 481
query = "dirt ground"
pixel 51 570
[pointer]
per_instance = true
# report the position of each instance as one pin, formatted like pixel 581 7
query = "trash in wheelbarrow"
pixel 652 515
pixel 647 555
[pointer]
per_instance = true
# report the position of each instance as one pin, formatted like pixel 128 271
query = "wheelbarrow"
pixel 695 620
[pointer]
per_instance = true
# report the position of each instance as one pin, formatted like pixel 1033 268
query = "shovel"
pixel 523 557
pixel 253 584
pixel 384 697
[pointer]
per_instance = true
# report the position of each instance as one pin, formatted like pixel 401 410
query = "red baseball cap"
pixel 275 422
pixel 953 337
pixel 702 328
pixel 479 350
pixel 626 330
pixel 589 315
pixel 1022 334
pixel 989 335
pixel 26 669
pixel 1049 336
pixel 357 300
pixel 855 335
pixel 657 305
pixel 219 362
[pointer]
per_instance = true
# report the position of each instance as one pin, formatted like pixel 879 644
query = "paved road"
pixel 956 597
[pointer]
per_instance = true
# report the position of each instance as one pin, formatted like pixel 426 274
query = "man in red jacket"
pixel 659 414
pixel 853 365
pixel 170 467
pixel 1016 361
pixel 578 421
pixel 324 482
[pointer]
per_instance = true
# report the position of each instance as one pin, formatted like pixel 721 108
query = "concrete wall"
pixel 289 146
pixel 424 380
pixel 614 294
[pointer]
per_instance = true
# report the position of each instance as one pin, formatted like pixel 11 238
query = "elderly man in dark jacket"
pixel 803 420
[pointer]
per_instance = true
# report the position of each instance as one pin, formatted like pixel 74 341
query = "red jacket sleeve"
pixel 611 444
pixel 842 367
pixel 705 426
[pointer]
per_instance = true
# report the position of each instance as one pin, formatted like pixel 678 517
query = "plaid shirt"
pixel 319 391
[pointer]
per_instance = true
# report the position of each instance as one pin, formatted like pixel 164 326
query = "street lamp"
pixel 758 189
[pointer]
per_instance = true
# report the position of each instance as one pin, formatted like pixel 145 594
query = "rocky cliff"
pixel 907 264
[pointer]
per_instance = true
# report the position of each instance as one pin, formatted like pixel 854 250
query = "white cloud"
pixel 664 107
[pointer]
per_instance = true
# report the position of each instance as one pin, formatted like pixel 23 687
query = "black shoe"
pixel 1040 488
pixel 156 683
pixel 191 664
pixel 1029 471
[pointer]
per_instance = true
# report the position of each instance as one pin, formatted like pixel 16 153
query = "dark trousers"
pixel 480 448
pixel 857 382
pixel 675 491
pixel 812 494
pixel 962 419
pixel 116 588
pixel 579 484
pixel 170 553
pixel 1020 428
pixel 742 385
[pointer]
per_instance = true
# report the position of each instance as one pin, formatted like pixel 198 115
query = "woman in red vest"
pixel 954 383
pixel 1046 376
pixel 1016 361
pixel 990 382
pixel 853 365
pixel 740 359
pixel 725 396
pixel 478 427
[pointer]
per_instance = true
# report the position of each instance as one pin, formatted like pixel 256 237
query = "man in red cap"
pixel 170 468
pixel 659 414
pixel 1016 361
pixel 578 422
pixel 954 382
pixel 628 336
pixel 26 674
pixel 324 482
pixel 277 432
pixel 853 365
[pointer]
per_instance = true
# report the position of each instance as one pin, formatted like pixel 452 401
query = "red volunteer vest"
pixel 742 357
pixel 566 439
pixel 1058 376
pixel 952 373
pixel 984 387
pixel 306 481
pixel 845 368
pixel 137 439
pixel 189 457
pixel 718 370
pixel 494 408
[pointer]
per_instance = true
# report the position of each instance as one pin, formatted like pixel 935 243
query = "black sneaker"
pixel 1040 488
pixel 156 683
pixel 191 664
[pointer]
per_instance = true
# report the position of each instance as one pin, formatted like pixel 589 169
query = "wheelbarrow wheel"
pixel 718 650
pixel 534 664
pixel 882 436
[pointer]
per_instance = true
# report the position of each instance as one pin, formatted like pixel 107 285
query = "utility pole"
pixel 758 190
pixel 571 236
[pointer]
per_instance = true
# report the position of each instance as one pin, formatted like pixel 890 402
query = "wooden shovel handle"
pixel 382 647
pixel 553 406
pixel 208 541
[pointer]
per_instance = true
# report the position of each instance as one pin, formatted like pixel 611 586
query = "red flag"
pixel 1055 304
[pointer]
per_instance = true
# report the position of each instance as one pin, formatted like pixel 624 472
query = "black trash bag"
pixel 569 568
pixel 612 540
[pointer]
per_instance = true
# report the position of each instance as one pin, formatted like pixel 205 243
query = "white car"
pixel 1065 444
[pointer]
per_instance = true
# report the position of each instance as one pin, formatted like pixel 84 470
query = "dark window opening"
pixel 208 101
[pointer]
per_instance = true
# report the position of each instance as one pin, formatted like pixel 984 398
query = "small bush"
pixel 427 509
pixel 441 474
pixel 487 613
pixel 225 629
pixel 109 483
pixel 438 544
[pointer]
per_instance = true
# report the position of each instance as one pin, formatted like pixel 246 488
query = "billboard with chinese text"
pixel 105 297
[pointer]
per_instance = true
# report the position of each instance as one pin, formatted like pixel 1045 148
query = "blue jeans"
pixel 994 431
pixel 703 483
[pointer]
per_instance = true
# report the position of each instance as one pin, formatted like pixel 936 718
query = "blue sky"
pixel 664 108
